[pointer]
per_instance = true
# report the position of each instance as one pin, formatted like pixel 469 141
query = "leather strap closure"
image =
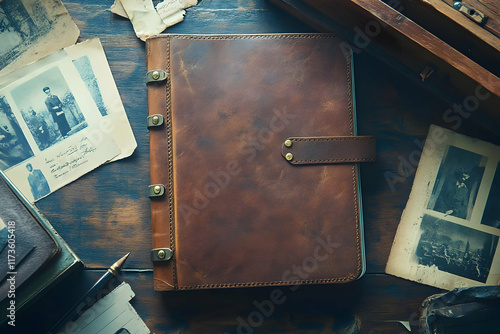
pixel 328 150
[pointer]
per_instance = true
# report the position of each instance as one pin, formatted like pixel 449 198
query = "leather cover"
pixel 235 212
pixel 27 244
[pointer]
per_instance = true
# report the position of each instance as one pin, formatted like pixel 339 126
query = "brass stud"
pixel 156 120
pixel 289 156
pixel 161 254
pixel 288 143
pixel 156 75
pixel 157 189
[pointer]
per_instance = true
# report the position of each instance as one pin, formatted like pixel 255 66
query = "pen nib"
pixel 117 266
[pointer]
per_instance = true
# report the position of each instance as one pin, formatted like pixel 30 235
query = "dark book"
pixel 34 258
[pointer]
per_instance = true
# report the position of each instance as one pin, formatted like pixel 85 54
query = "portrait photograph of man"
pixel 38 183
pixel 49 108
pixel 55 107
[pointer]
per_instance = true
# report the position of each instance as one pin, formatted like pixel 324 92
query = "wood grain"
pixel 468 38
pixel 386 33
pixel 373 303
pixel 105 214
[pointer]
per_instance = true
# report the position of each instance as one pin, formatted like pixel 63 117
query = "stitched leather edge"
pixel 255 36
pixel 345 279
pixel 348 56
pixel 334 160
pixel 171 199
pixel 333 138
pixel 359 246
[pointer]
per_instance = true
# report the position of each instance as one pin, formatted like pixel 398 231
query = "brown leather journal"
pixel 254 161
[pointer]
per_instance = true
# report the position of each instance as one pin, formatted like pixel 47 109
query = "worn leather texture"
pixel 235 213
pixel 31 245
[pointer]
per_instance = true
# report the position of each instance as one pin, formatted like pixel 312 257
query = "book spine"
pixel 161 163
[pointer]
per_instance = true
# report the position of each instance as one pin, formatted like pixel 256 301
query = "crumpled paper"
pixel 149 21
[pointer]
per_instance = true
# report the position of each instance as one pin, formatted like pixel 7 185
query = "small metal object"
pixel 161 254
pixel 471 12
pixel 289 156
pixel 156 75
pixel 156 190
pixel 288 143
pixel 155 120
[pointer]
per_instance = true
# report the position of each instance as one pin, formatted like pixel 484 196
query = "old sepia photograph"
pixel 457 183
pixel 491 214
pixel 14 148
pixel 61 124
pixel 448 233
pixel 455 249
pixel 49 108
pixel 61 117
pixel 21 23
pixel 31 29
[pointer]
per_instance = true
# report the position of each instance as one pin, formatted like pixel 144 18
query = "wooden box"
pixel 428 40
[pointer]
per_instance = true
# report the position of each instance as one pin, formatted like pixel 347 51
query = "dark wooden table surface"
pixel 105 214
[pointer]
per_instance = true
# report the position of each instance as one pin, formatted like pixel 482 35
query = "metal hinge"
pixel 471 12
